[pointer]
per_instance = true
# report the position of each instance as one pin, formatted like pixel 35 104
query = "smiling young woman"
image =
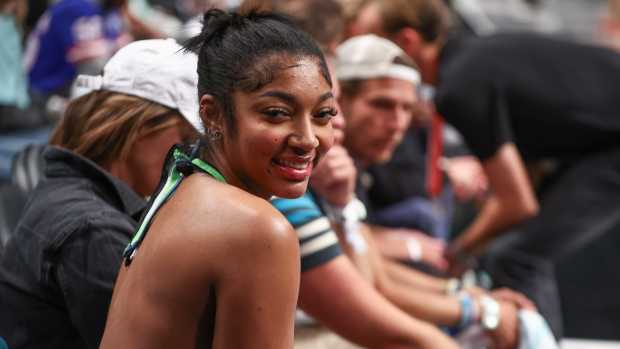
pixel 282 130
pixel 220 266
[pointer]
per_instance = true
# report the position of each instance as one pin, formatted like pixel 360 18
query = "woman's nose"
pixel 304 137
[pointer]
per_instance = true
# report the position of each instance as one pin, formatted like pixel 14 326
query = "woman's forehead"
pixel 282 68
pixel 302 78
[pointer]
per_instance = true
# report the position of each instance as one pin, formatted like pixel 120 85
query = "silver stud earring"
pixel 213 134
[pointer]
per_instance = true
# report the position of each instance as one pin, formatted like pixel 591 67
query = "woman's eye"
pixel 327 113
pixel 275 113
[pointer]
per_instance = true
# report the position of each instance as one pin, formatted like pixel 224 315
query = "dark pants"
pixel 581 205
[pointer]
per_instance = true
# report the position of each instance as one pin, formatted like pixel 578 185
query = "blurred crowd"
pixel 476 144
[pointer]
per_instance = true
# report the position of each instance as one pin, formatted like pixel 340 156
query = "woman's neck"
pixel 219 162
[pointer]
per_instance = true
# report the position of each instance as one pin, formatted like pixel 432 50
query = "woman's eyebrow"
pixel 286 97
pixel 289 98
pixel 325 96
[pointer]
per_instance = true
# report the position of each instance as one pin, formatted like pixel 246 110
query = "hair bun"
pixel 214 23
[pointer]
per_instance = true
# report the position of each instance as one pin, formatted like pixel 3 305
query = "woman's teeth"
pixel 295 165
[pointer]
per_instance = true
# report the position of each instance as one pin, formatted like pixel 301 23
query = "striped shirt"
pixel 318 242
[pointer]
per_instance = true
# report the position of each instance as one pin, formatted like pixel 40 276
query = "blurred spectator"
pixel 517 100
pixel 322 19
pixel 378 105
pixel 73 36
pixel 106 155
pixel 160 22
pixel 15 111
pixel 77 36
pixel 399 191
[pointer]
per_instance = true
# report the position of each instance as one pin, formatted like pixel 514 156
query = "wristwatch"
pixel 491 313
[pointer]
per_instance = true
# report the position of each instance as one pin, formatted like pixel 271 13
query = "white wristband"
pixel 414 249
pixel 491 313
pixel 354 210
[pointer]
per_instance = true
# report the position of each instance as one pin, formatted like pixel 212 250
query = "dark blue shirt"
pixel 70 32
pixel 58 269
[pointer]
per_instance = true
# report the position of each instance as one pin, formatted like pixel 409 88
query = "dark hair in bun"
pixel 243 51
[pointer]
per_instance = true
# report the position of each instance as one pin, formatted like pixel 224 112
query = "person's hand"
pixel 458 260
pixel 506 335
pixel 518 299
pixel 467 177
pixel 397 243
pixel 334 177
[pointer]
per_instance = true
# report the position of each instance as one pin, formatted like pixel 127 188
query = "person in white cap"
pixel 105 157
pixel 378 82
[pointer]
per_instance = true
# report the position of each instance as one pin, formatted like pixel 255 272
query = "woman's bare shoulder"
pixel 208 224
pixel 223 211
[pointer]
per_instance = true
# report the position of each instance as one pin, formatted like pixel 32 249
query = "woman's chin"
pixel 291 191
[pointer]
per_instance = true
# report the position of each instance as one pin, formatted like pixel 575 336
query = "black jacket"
pixel 58 269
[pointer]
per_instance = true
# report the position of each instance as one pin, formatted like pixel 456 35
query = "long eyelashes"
pixel 275 112
pixel 328 113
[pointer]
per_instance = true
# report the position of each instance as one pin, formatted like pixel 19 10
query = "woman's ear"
pixel 211 113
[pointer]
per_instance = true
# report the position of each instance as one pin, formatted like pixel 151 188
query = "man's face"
pixel 377 116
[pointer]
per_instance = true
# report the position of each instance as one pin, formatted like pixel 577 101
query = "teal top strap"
pixel 178 165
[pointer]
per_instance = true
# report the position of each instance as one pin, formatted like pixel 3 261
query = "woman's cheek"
pixel 326 137
pixel 267 143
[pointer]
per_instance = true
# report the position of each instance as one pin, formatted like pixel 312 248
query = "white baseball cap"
pixel 157 70
pixel 370 56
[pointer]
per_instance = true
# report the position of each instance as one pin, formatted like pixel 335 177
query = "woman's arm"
pixel 410 277
pixel 422 304
pixel 257 287
pixel 337 296
pixel 511 201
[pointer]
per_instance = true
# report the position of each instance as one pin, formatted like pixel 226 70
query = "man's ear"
pixel 409 40
pixel 211 113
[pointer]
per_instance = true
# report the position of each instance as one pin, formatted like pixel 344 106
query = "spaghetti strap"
pixel 178 165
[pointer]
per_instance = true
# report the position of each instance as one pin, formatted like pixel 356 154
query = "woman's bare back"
pixel 203 252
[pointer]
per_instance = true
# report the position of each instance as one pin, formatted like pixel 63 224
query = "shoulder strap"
pixel 177 166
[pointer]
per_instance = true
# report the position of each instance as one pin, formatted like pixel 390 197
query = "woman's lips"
pixel 294 170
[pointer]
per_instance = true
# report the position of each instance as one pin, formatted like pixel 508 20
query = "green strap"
pixel 172 181
pixel 209 169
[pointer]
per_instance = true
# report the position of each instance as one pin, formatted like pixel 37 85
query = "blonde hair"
pixel 103 126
